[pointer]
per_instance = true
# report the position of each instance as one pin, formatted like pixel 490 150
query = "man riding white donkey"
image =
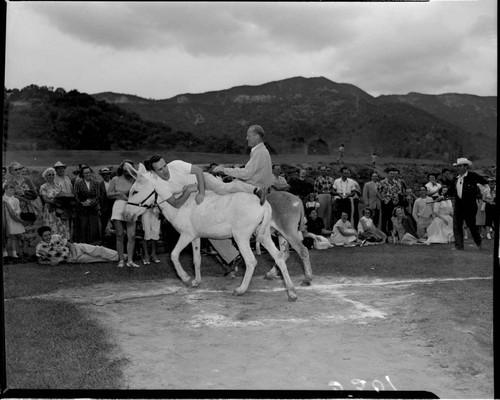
pixel 238 215
pixel 288 211
pixel 184 178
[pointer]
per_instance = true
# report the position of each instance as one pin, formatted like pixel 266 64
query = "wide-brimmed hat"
pixel 59 164
pixel 462 161
pixel 104 170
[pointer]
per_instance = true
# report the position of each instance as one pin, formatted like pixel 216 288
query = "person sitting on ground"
pixel 422 212
pixel 343 233
pixel 53 250
pixel 403 231
pixel 316 225
pixel 441 228
pixel 367 229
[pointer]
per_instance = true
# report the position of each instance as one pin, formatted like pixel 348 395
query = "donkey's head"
pixel 142 194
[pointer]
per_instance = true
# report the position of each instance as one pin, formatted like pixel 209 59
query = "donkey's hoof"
pixel 292 296
pixel 305 282
pixel 195 283
pixel 187 281
pixel 269 276
pixel 238 292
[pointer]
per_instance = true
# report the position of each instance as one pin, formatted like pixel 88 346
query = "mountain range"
pixel 317 115
pixel 300 116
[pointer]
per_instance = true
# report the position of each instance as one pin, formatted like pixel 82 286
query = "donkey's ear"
pixel 142 169
pixel 131 170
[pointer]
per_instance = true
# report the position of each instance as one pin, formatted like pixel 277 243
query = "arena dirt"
pixel 340 334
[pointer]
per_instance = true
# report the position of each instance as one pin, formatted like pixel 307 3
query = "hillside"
pixel 300 115
pixel 320 114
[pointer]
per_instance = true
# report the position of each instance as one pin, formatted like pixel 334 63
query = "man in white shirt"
pixel 346 196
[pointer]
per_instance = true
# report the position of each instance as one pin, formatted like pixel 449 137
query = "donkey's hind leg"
pixel 180 245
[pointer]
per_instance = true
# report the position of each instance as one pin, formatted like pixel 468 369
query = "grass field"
pixel 53 344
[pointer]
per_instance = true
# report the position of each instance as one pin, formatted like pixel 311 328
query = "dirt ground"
pixel 350 334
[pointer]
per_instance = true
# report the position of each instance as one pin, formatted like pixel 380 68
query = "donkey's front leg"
pixel 183 241
pixel 197 262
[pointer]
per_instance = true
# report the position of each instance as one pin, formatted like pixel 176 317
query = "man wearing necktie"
pixel 465 191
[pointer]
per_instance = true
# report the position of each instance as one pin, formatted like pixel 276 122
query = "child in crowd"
pixel 422 212
pixel 312 202
pixel 15 225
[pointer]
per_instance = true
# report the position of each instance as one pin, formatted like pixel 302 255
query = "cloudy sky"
pixel 162 49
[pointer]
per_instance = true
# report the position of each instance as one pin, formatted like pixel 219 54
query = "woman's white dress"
pixel 438 231
pixel 337 239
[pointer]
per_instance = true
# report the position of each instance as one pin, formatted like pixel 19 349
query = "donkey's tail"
pixel 265 224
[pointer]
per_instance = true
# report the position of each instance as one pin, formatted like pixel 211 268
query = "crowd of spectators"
pixel 87 208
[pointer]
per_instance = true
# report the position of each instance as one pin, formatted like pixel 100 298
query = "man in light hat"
pixel 466 192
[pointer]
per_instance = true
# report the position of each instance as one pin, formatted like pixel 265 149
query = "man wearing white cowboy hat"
pixel 465 191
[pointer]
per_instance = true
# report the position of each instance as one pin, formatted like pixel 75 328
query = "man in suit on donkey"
pixel 465 191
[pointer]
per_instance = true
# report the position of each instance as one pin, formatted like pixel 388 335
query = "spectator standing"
pixel 301 186
pixel 390 192
pixel 371 197
pixel 25 191
pixel 447 178
pixel 48 192
pixel 279 181
pixel 433 186
pixel 14 223
pixel 66 199
pixel 340 158
pixel 465 192
pixel 105 203
pixel 374 160
pixel 87 196
pixel 422 212
pixel 346 198
pixel 323 185
pixel 119 189
pixel 490 208
pixel 4 176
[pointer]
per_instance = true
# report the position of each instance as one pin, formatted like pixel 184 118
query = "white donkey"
pixel 237 215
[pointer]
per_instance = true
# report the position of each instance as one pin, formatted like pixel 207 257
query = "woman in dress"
pixel 367 229
pixel 441 228
pixel 403 231
pixel 119 190
pixel 14 223
pixel 48 192
pixel 26 192
pixel 87 196
pixel 343 233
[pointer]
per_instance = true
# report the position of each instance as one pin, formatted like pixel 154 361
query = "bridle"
pixel 152 205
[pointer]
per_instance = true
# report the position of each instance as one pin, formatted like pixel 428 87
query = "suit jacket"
pixel 470 190
pixel 370 197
